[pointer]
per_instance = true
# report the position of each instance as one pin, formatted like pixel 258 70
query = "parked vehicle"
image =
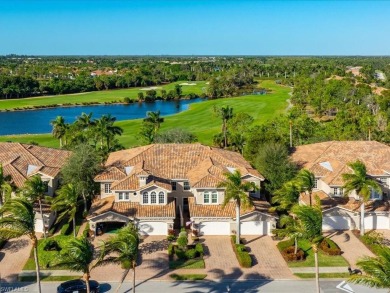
pixel 78 286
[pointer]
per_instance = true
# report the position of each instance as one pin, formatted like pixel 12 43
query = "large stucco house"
pixel 328 161
pixel 21 161
pixel 165 186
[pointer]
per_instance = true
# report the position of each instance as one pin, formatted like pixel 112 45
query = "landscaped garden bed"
pixel 184 256
pixel 188 277
pixel 243 257
pixel 373 240
pixel 329 257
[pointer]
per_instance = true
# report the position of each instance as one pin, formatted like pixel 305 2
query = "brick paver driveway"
pixel 221 262
pixel 352 247
pixel 152 264
pixel 13 258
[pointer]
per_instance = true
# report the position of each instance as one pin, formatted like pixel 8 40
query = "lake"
pixel 38 121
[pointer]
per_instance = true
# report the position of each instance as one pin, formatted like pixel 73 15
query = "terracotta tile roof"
pixel 111 173
pixel 229 211
pixel 158 182
pixel 100 206
pixel 127 183
pixel 136 210
pixel 329 159
pixel 16 159
pixel 194 162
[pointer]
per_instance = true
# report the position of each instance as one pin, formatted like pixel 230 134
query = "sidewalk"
pixel 321 269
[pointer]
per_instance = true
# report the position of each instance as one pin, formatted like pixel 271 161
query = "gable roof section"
pixel 201 165
pixel 16 159
pixel 337 154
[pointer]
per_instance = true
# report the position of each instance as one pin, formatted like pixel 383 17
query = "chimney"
pixel 142 180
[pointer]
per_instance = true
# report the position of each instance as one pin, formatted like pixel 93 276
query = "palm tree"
pixel 5 187
pixel 286 197
pixel 106 130
pixel 155 119
pixel 290 229
pixel 19 220
pixel 307 182
pixel 84 121
pixel 236 190
pixel 226 114
pixel 310 224
pixel 35 190
pixel 359 181
pixel 122 249
pixel 376 269
pixel 59 128
pixel 67 203
pixel 76 256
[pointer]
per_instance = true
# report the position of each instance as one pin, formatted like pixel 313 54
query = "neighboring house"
pixel 328 161
pixel 21 161
pixel 166 186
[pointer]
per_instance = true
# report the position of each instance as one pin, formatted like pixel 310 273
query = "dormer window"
pixel 210 197
pixel 186 185
pixel 107 188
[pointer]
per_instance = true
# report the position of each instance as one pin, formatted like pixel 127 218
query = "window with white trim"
pixel 153 198
pixel 186 185
pixel 315 183
pixel 337 191
pixel 107 188
pixel 161 197
pixel 173 184
pixel 123 196
pixel 206 197
pixel 214 197
pixel 145 198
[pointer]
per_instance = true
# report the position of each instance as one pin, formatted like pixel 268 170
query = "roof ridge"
pixel 27 150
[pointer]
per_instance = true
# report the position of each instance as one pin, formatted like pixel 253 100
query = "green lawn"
pixel 323 259
pixel 97 96
pixel 45 257
pixel 199 119
pixel 188 277
pixel 323 275
pixel 187 264
pixel 48 278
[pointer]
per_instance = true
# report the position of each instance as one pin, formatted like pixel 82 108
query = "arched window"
pixel 145 198
pixel 206 197
pixel 153 198
pixel 161 197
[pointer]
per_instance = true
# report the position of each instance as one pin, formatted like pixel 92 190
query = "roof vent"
pixel 31 169
pixel 327 166
pixel 128 169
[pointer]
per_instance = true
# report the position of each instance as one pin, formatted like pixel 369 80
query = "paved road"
pixel 300 286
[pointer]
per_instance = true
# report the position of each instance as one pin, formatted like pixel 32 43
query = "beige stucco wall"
pixel 199 194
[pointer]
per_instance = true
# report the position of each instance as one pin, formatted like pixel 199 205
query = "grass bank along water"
pixel 199 119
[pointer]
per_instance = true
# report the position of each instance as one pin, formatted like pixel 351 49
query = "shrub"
pixel 199 249
pixel 289 255
pixel 127 100
pixel 240 247
pixel 243 257
pixel 171 232
pixel 52 245
pixel 329 247
pixel 171 238
pixel 282 245
pixel 170 249
pixel 191 253
pixel 86 230
pixel 182 242
pixel 180 253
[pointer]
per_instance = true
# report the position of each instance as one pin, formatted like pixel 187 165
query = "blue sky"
pixel 242 27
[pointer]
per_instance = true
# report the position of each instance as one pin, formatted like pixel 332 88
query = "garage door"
pixel 335 223
pixel 376 222
pixel 254 228
pixel 214 228
pixel 153 228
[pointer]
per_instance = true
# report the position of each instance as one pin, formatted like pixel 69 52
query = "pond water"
pixel 38 121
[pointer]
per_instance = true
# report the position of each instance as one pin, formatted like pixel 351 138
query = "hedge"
pixel 329 247
pixel 199 249
pixel 243 257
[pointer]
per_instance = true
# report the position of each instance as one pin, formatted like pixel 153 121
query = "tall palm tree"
pixel 307 182
pixel 290 229
pixel 35 190
pixel 358 181
pixel 237 190
pixel 310 222
pixel 286 197
pixel 18 220
pixel 59 128
pixel 376 269
pixel 76 256
pixel 122 249
pixel 106 129
pixel 5 187
pixel 84 121
pixel 226 113
pixel 67 203
pixel 155 119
